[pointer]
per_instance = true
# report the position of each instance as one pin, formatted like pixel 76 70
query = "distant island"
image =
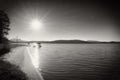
pixel 62 41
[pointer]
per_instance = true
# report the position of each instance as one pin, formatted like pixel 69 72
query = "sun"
pixel 35 24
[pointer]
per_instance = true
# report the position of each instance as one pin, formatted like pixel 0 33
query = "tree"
pixel 4 26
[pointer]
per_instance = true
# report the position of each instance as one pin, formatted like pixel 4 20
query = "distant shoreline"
pixel 67 42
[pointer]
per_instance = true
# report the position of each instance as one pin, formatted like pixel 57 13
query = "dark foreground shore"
pixel 9 71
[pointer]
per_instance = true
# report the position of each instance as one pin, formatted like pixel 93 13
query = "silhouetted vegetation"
pixel 4 50
pixel 4 28
pixel 10 72
pixel 4 25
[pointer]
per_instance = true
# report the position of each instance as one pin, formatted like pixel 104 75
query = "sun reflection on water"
pixel 34 55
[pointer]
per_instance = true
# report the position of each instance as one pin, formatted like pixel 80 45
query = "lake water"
pixel 80 61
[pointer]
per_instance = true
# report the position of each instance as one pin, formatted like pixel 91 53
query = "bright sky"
pixel 38 20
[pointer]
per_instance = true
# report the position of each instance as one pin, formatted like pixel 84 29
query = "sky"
pixel 63 19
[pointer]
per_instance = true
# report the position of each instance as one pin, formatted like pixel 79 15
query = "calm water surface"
pixel 80 61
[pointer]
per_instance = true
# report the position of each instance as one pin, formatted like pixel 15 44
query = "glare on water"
pixel 36 58
pixel 35 55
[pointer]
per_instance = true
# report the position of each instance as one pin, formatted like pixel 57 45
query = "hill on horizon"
pixel 65 41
